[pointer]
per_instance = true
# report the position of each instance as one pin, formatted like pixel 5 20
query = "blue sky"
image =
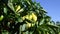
pixel 52 7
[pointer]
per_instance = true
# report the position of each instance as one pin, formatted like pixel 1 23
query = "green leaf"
pixel 15 1
pixel 5 10
pixel 5 32
pixel 10 5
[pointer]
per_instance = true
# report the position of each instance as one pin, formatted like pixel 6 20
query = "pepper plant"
pixel 25 17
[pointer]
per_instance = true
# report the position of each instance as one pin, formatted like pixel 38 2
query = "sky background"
pixel 52 7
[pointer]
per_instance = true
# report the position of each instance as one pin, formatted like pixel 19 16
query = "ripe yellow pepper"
pixel 18 7
pixel 34 17
pixel 28 25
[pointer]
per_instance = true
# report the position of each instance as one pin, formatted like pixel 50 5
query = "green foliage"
pixel 25 17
